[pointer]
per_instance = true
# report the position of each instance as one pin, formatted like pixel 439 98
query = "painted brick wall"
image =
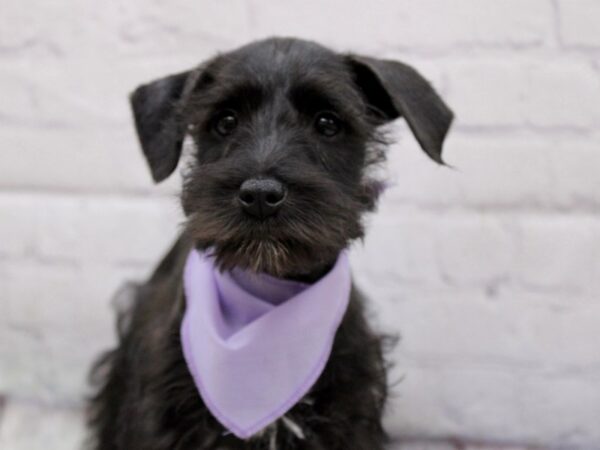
pixel 491 272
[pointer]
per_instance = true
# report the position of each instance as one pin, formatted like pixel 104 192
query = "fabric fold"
pixel 255 344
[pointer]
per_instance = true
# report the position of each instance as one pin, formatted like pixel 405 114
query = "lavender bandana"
pixel 256 344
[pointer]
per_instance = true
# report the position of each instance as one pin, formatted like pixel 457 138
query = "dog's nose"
pixel 261 197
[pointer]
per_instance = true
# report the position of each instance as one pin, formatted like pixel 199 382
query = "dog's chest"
pixel 274 437
pixel 274 432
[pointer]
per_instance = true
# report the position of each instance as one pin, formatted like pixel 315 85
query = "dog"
pixel 285 134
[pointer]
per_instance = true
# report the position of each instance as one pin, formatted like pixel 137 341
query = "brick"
pixel 495 172
pixel 56 321
pixel 77 161
pixel 520 172
pixel 415 179
pixel 185 23
pixel 436 390
pixel 47 296
pixel 451 444
pixel 19 221
pixel 435 249
pixel 29 426
pixel 398 249
pixel 480 446
pixel 67 94
pixel 80 29
pixel 455 23
pixel 422 444
pixel 519 93
pixel 474 249
pixel 562 94
pixel 579 22
pixel 486 93
pixel 409 24
pixel 482 403
pixel 501 172
pixel 443 326
pixel 456 326
pixel 97 228
pixel 107 228
pixel 574 168
pixel 559 254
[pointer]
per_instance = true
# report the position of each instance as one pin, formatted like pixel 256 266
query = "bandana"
pixel 256 344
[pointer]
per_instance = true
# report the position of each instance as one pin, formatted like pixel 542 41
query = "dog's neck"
pixel 313 275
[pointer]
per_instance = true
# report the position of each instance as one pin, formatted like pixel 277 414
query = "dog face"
pixel 284 131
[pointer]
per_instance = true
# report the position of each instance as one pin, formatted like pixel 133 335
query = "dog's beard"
pixel 293 251
pixel 318 220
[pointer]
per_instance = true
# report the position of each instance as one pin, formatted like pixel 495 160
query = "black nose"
pixel 261 197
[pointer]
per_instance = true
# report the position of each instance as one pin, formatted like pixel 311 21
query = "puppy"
pixel 285 135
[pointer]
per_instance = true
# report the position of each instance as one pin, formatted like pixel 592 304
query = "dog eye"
pixel 328 124
pixel 225 123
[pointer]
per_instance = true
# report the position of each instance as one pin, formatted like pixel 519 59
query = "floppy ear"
pixel 156 108
pixel 393 89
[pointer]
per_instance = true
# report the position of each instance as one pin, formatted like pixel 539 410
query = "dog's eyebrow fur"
pixel 245 96
pixel 310 98
pixel 240 97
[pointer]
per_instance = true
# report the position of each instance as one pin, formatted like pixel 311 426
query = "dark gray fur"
pixel 276 90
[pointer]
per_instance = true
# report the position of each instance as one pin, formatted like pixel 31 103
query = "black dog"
pixel 285 132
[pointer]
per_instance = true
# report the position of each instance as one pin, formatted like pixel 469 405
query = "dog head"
pixel 285 132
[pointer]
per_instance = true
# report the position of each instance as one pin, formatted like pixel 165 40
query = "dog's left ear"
pixel 156 107
pixel 393 89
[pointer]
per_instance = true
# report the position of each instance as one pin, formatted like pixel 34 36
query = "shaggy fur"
pixel 277 90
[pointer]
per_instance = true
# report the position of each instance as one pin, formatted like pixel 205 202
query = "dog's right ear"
pixel 156 109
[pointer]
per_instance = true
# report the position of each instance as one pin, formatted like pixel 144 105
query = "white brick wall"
pixel 491 272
